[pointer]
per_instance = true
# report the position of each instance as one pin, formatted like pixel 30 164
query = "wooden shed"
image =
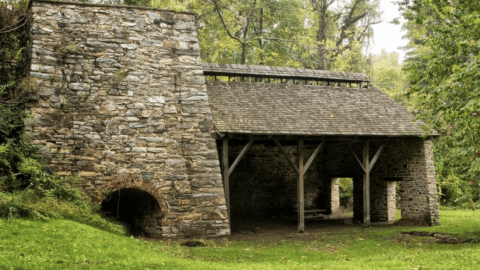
pixel 341 125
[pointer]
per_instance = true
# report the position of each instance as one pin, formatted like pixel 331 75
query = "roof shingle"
pixel 288 109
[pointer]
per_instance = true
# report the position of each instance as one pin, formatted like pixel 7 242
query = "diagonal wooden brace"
pixel 375 158
pixel 286 156
pixel 372 162
pixel 240 156
pixel 358 160
pixel 315 153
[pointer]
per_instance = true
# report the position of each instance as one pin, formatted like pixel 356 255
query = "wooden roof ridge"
pixel 284 72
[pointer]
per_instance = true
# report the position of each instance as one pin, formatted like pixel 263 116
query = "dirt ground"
pixel 250 230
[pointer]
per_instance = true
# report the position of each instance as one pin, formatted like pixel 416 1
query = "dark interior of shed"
pixel 263 187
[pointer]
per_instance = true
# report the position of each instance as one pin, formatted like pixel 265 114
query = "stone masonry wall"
pixel 411 160
pixel 122 102
pixel 264 185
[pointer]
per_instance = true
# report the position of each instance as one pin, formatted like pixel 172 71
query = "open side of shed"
pixel 350 127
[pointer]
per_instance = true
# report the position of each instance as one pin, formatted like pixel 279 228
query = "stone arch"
pixel 133 182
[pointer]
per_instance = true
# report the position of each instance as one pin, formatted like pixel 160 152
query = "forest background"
pixel 439 80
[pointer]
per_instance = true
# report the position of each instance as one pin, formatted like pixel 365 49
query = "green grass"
pixel 63 244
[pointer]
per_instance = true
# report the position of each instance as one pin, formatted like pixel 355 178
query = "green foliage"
pixel 45 184
pixel 14 146
pixel 10 121
pixel 388 75
pixel 282 32
pixel 119 76
pixel 29 204
pixel 346 188
pixel 444 72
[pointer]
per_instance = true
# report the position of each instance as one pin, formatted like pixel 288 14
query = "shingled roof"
pixel 283 72
pixel 290 109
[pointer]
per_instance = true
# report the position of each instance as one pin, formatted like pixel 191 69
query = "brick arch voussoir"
pixel 137 182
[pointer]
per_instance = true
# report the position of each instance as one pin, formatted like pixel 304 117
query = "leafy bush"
pixel 28 204
pixel 346 190
pixel 454 191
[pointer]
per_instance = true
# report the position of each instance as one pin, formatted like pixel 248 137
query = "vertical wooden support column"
pixel 226 183
pixel 300 199
pixel 366 185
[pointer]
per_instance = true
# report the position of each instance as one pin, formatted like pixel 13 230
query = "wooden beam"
pixel 240 156
pixel 310 160
pixel 300 199
pixel 226 184
pixel 366 186
pixel 286 156
pixel 375 158
pixel 317 138
pixel 358 160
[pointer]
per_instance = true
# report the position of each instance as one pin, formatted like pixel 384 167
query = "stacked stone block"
pixel 122 102
pixel 335 195
pixel 391 201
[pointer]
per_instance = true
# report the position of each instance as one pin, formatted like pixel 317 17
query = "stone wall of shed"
pixel 264 185
pixel 121 98
pixel 409 159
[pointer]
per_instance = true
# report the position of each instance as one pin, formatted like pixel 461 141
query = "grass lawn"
pixel 63 244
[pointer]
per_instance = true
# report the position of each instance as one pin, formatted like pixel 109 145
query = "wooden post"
pixel 367 167
pixel 366 186
pixel 300 199
pixel 226 184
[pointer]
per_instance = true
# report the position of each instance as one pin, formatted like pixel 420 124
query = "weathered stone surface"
pixel 120 117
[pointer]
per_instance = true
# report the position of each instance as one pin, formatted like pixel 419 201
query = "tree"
pixel 342 28
pixel 283 32
pixel 388 75
pixel 444 71
pixel 251 31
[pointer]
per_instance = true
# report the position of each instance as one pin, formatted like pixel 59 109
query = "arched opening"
pixel 137 209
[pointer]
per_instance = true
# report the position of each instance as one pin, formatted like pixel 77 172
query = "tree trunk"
pixel 321 35
pixel 244 53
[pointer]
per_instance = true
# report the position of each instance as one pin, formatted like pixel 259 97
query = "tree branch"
pixel 215 3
